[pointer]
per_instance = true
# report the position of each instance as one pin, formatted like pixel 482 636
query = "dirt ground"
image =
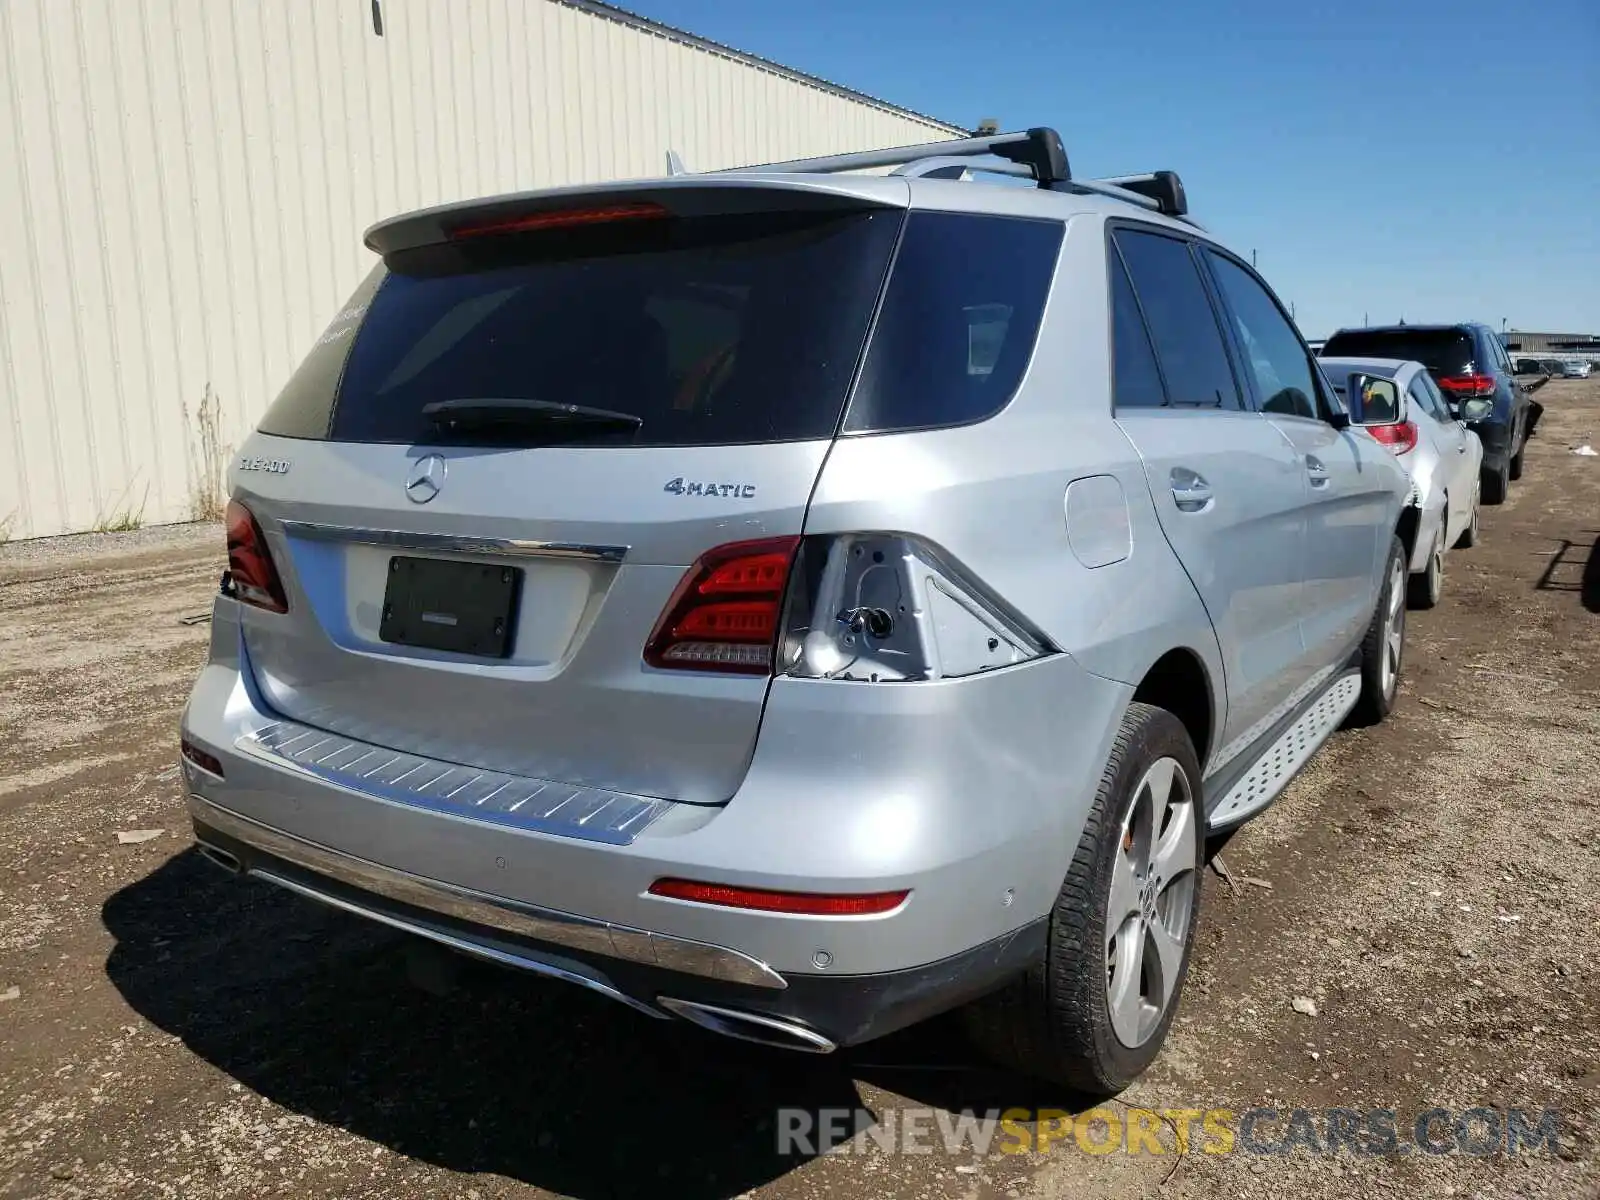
pixel 1434 890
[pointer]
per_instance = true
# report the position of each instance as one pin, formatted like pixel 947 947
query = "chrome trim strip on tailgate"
pixel 480 908
pixel 540 805
pixel 454 543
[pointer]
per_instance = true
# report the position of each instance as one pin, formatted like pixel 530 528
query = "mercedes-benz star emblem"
pixel 426 478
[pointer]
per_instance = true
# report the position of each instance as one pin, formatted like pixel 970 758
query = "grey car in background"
pixel 798 602
pixel 1399 404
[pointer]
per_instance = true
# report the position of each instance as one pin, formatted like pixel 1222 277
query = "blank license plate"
pixel 468 608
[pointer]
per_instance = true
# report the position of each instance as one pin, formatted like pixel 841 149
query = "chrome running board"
pixel 1282 760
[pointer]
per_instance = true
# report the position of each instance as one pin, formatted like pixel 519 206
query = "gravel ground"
pixel 1429 885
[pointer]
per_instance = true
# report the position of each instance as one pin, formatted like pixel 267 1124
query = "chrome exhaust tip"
pixel 750 1027
pixel 228 862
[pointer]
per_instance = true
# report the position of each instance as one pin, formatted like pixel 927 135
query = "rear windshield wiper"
pixel 505 415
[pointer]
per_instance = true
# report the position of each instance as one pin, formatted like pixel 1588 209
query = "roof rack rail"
pixel 1032 154
pixel 1039 150
pixel 1164 187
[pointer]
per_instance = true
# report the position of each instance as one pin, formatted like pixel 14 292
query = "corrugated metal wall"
pixel 184 183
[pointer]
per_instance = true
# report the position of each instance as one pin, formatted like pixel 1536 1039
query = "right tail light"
pixel 255 578
pixel 863 607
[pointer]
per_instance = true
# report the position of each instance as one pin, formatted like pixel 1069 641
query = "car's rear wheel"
pixel 1423 588
pixel 1383 647
pixel 1094 1013
pixel 1496 484
pixel 1469 535
pixel 1514 467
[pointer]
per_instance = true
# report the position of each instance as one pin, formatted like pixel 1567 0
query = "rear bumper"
pixel 969 793
pixel 805 1012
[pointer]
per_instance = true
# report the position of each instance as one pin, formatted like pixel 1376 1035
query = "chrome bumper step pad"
pixel 564 809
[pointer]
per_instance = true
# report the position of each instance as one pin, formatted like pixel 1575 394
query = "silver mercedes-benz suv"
pixel 798 601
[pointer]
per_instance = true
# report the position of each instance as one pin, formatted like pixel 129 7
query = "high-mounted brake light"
pixel 809 904
pixel 566 218
pixel 255 578
pixel 725 613
pixel 1400 438
pixel 1464 386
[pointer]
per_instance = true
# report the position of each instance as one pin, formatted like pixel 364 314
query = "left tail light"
pixel 1464 386
pixel 1400 438
pixel 255 578
pixel 726 612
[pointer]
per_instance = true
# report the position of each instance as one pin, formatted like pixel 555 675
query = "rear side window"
pixel 1447 352
pixel 1137 379
pixel 1182 321
pixel 958 322
pixel 1284 377
pixel 710 330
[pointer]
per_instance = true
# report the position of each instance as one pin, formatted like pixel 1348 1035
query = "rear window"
pixel 1443 351
pixel 709 330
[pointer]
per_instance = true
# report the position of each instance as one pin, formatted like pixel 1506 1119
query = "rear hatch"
pixel 1447 353
pixel 487 479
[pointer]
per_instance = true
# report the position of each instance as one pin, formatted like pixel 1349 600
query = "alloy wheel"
pixel 1394 629
pixel 1151 901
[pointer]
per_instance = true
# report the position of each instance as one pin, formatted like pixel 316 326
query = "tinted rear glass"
pixel 710 330
pixel 958 323
pixel 1443 351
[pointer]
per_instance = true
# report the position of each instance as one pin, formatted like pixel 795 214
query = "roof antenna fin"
pixel 675 164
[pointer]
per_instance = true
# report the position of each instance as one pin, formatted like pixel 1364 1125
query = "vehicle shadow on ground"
pixel 530 1079
pixel 1564 574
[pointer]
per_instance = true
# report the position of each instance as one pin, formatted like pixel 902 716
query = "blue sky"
pixel 1423 159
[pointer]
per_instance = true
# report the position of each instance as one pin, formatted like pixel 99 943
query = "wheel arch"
pixel 1179 682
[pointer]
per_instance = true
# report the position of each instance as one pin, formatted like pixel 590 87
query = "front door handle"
pixel 1190 491
pixel 1317 473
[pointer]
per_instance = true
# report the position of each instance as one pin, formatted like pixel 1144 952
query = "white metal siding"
pixel 184 183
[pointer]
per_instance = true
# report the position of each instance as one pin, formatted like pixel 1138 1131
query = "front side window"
pixel 1182 322
pixel 1285 379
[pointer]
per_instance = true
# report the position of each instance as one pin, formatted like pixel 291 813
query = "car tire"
pixel 1383 647
pixel 1078 1017
pixel 1424 588
pixel 1496 484
pixel 1514 467
pixel 1469 535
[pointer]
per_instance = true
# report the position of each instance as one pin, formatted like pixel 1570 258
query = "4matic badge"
pixel 741 491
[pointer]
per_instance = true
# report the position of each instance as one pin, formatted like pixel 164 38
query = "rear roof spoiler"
pixel 684 195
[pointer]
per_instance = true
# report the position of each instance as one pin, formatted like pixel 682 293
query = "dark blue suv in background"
pixel 1470 365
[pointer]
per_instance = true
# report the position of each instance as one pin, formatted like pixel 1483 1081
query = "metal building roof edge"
pixel 611 12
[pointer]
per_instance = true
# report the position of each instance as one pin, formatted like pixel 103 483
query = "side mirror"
pixel 1372 399
pixel 1476 410
pixel 1339 420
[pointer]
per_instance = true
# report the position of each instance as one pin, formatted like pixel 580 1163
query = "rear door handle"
pixel 1316 471
pixel 1191 492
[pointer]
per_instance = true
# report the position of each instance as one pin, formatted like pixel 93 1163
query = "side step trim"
pixel 1282 760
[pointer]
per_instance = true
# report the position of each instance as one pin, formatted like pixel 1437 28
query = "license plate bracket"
pixel 462 607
